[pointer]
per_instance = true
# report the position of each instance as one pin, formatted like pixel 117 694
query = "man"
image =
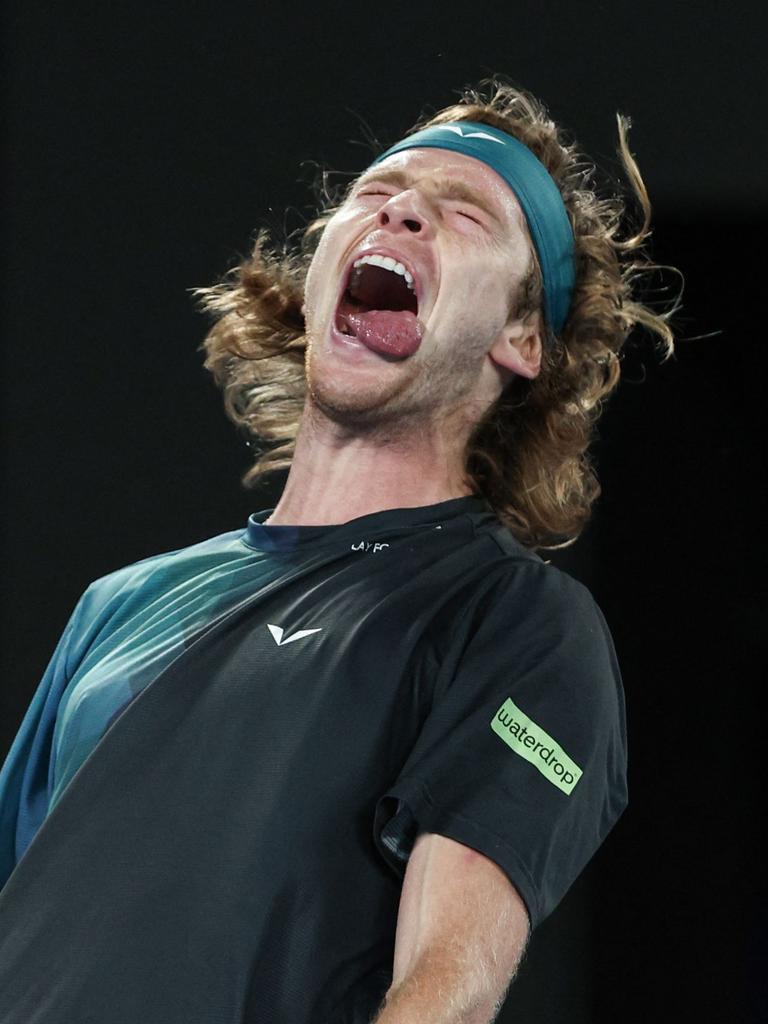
pixel 340 764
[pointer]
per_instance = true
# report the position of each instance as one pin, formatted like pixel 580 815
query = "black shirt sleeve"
pixel 523 753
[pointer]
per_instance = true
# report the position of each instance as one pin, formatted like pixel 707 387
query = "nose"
pixel 406 211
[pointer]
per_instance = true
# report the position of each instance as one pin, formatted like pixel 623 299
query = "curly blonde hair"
pixel 528 454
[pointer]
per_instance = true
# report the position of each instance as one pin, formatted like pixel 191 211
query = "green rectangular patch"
pixel 531 742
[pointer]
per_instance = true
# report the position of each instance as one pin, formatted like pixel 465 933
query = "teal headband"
pixel 536 192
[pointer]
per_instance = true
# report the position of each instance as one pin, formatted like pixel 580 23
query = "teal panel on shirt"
pixel 160 611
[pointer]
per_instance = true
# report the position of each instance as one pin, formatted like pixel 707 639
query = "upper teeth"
pixel 389 264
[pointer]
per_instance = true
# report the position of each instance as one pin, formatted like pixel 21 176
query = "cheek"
pixel 328 256
pixel 478 294
pixel 318 272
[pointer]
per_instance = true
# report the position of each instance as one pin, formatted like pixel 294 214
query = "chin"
pixel 351 403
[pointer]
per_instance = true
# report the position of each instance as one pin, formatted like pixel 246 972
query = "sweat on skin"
pixel 401 424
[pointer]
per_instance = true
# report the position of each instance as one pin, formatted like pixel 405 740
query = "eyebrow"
pixel 450 188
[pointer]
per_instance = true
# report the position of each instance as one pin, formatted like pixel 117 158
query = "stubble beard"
pixel 417 397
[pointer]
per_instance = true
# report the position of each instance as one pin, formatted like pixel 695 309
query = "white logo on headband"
pixel 471 135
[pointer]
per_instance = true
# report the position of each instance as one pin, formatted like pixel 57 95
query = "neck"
pixel 336 476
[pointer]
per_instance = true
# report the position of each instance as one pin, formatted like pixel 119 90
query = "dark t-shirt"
pixel 207 813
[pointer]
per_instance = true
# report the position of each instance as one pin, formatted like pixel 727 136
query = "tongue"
pixel 393 332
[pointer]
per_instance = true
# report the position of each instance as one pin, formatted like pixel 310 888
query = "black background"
pixel 144 147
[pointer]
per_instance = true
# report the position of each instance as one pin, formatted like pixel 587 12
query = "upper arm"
pixel 459 910
pixel 523 753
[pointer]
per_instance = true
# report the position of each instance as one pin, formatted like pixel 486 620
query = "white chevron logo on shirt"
pixel 277 633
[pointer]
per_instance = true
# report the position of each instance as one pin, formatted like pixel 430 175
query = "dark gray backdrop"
pixel 144 146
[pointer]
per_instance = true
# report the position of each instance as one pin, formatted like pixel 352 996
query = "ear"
pixel 518 346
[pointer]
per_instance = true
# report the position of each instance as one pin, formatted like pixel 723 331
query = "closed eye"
pixel 462 213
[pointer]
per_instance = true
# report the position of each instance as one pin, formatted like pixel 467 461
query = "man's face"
pixel 468 253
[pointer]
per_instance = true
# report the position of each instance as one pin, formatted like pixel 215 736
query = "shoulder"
pixel 558 605
pixel 543 626
pixel 512 600
pixel 517 573
pixel 122 583
pixel 539 590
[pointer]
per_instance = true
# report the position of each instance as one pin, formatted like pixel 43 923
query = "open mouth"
pixel 379 309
